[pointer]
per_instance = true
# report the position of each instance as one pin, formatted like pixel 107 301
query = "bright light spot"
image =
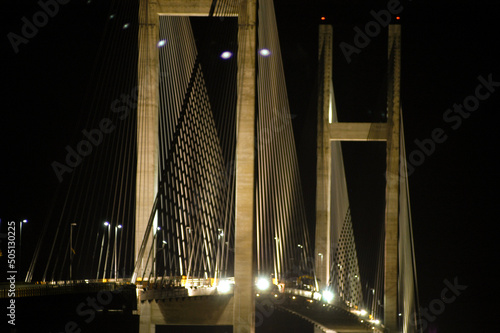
pixel 327 296
pixel 275 295
pixel 263 284
pixel 224 286
pixel 397 17
pixel 265 52
pixel 323 18
pixel 257 295
pixel 106 223
pixel 293 297
pixel 125 26
pixel 119 226
pixel 112 16
pixel 161 43
pixel 363 312
pixel 226 55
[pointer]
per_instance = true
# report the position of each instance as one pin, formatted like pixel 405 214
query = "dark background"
pixel 445 47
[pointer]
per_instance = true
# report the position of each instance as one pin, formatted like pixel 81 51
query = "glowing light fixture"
pixel 161 43
pixel 226 55
pixel 327 296
pixel 224 287
pixel 263 284
pixel 265 52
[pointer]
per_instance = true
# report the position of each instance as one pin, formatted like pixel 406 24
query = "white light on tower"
pixel 161 43
pixel 226 55
pixel 265 52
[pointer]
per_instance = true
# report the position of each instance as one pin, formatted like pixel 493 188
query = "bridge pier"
pixel 195 310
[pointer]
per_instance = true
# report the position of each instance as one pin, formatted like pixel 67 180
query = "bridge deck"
pixel 176 306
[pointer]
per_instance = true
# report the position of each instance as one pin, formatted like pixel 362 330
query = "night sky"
pixel 448 49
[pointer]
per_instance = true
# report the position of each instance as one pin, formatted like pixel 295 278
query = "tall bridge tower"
pixel 148 152
pixel 332 207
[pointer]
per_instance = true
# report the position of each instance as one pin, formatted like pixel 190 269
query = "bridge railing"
pixel 58 288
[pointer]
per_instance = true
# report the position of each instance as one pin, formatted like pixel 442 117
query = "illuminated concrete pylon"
pixel 329 130
pixel 147 124
pixel 147 165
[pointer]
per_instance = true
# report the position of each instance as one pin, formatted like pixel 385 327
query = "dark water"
pixel 76 314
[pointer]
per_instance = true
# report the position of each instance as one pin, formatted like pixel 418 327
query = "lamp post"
pixel 116 240
pixel 220 234
pixel 100 256
pixel 277 261
pixel 20 235
pixel 107 224
pixel 164 256
pixel 71 251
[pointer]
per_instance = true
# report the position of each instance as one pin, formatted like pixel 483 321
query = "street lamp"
pixel 100 254
pixel 116 239
pixel 20 235
pixel 277 270
pixel 220 234
pixel 107 224
pixel 71 251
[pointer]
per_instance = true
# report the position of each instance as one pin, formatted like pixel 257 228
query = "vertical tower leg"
pixel 244 303
pixel 147 121
pixel 323 167
pixel 393 178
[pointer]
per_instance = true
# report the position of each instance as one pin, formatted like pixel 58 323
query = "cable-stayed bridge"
pixel 208 215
